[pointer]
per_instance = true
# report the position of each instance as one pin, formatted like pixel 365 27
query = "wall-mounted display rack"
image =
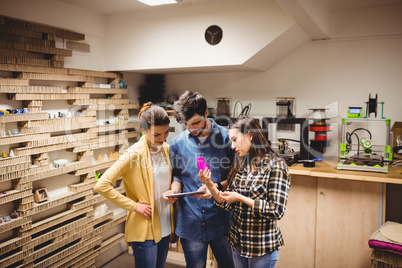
pixel 61 231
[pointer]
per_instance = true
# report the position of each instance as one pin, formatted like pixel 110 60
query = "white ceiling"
pixel 352 4
pixel 118 6
pixel 300 10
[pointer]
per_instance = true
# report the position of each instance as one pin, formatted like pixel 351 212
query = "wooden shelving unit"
pixel 45 234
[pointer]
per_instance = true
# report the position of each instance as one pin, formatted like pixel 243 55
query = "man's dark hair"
pixel 189 104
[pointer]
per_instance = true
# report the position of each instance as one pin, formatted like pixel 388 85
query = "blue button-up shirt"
pixel 200 219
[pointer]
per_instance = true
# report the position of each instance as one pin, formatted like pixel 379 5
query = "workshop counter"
pixel 331 215
pixel 328 169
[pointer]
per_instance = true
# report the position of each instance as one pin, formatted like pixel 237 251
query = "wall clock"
pixel 213 35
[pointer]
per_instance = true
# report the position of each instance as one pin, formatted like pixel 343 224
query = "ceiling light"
pixel 159 2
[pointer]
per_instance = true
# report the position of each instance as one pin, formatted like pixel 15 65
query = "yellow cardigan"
pixel 135 167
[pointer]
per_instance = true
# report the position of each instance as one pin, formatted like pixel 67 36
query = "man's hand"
pixel 173 238
pixel 206 195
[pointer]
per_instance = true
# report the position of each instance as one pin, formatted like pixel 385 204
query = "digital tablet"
pixel 184 194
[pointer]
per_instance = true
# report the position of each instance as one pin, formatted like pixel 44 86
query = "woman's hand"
pixel 205 177
pixel 169 200
pixel 230 197
pixel 144 210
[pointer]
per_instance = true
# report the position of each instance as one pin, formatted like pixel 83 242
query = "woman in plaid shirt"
pixel 257 191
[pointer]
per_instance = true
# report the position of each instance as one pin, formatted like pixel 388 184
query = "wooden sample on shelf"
pixel 41 195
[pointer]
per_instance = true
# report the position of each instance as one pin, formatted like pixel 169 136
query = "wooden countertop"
pixel 327 169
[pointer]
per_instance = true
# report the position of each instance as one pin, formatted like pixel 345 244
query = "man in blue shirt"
pixel 200 222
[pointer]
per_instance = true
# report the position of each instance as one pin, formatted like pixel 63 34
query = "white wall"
pixel 317 74
pixel 363 56
pixel 339 74
pixel 174 37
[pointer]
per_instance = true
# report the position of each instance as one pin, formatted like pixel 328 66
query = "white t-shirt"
pixel 202 139
pixel 161 185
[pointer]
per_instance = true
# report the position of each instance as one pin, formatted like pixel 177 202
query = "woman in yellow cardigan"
pixel 146 172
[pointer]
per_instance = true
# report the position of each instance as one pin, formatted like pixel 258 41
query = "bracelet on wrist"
pixel 220 187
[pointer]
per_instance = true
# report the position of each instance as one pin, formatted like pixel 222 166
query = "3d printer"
pixel 289 155
pixel 358 149
pixel 308 148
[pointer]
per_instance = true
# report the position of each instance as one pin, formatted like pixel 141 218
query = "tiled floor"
pixel 127 260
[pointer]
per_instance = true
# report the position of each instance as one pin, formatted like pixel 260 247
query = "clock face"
pixel 213 35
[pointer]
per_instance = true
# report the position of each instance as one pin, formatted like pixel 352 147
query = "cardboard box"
pixel 396 130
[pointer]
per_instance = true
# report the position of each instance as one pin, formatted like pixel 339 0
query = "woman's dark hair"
pixel 152 115
pixel 189 104
pixel 259 145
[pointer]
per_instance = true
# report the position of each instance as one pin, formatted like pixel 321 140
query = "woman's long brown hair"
pixel 259 145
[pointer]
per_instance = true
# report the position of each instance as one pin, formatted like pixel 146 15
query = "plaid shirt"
pixel 255 229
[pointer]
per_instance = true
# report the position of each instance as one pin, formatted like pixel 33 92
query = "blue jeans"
pixel 195 252
pixel 149 254
pixel 266 261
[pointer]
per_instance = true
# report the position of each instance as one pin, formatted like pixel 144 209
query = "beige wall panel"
pixel 347 215
pixel 299 223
